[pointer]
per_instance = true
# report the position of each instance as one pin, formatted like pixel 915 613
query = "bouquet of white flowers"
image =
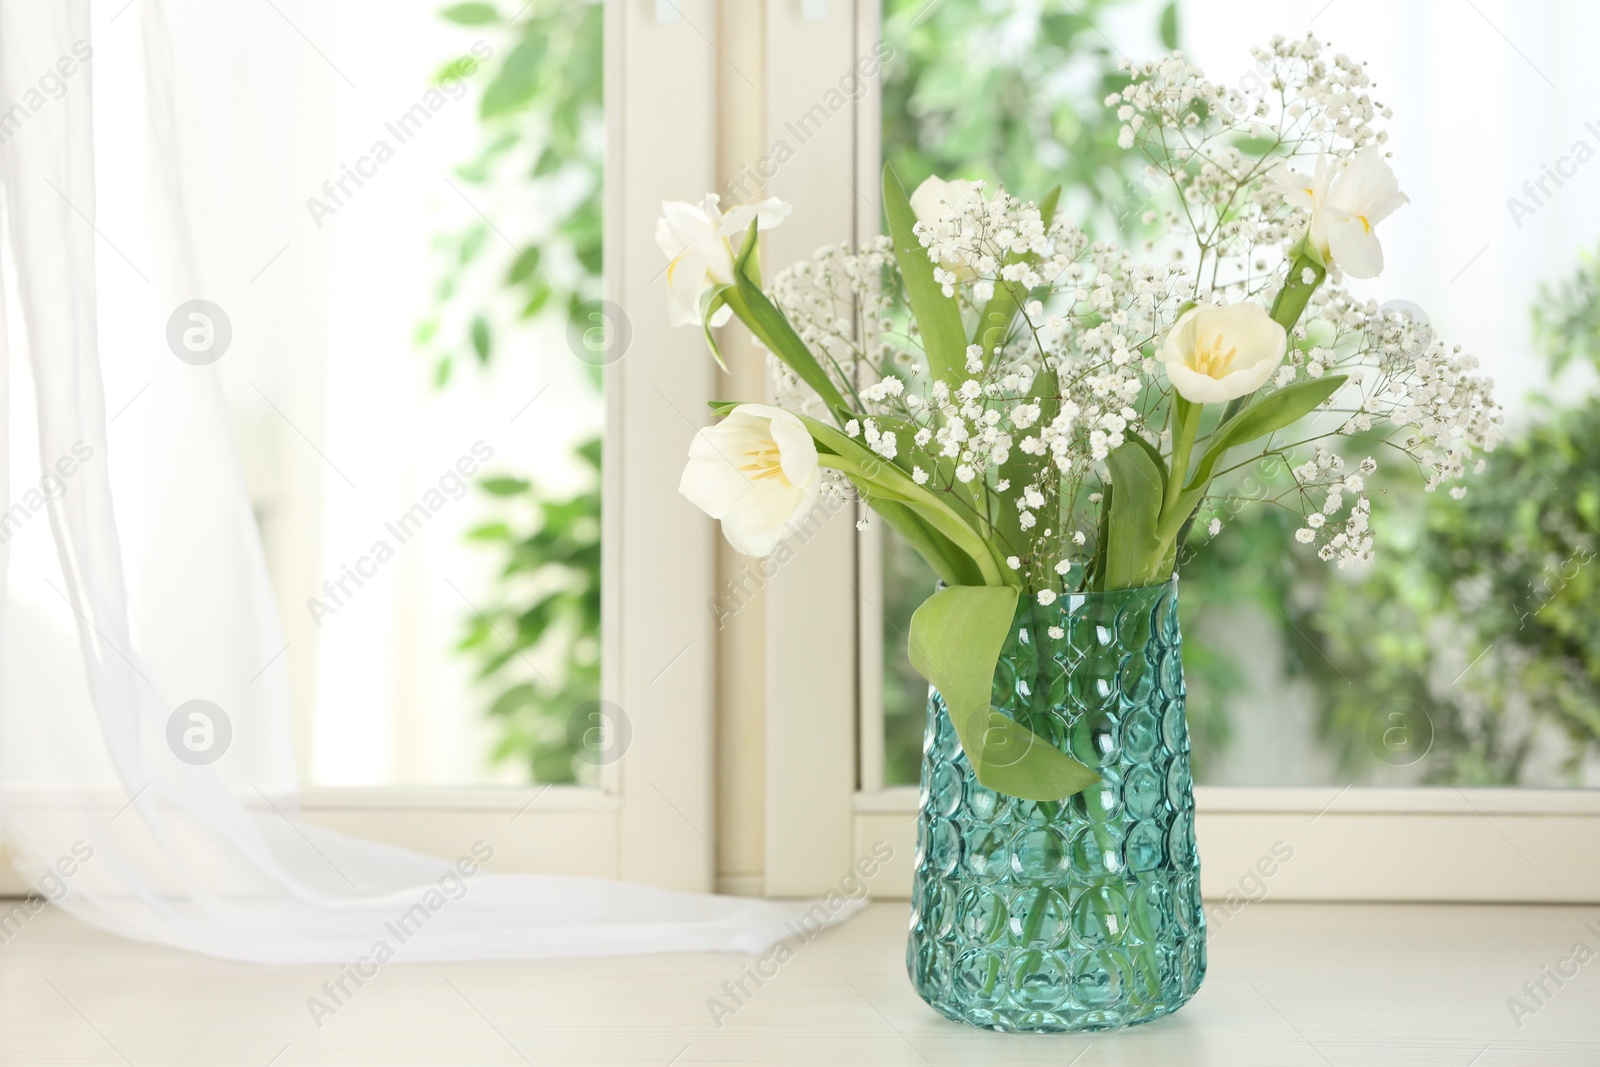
pixel 1040 415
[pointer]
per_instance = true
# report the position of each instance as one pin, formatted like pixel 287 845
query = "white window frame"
pixel 1354 843
pixel 651 818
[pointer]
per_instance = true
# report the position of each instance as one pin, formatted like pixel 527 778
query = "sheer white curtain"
pixel 135 584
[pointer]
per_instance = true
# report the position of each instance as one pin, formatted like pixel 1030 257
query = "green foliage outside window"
pixel 536 643
pixel 1473 640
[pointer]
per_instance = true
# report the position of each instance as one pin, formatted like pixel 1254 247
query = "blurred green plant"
pixel 541 125
pixel 1013 93
pixel 541 136
pixel 546 608
pixel 1474 636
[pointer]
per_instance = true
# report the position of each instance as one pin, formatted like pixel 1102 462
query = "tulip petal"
pixel 686 287
pixel 936 198
pixel 694 227
pixel 796 449
pixel 1355 248
pixel 767 213
pixel 713 485
pixel 1198 388
pixel 761 519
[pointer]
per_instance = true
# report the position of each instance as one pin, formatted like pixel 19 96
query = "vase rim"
pixel 1080 597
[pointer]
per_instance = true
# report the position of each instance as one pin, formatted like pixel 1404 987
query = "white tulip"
pixel 697 240
pixel 937 201
pixel 1346 208
pixel 935 198
pixel 1215 354
pixel 756 471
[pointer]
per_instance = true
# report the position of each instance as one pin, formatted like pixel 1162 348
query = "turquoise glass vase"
pixel 1080 914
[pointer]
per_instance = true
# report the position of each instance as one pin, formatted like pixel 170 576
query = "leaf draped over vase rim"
pixel 1040 415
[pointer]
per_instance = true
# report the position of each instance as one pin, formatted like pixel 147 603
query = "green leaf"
pixel 951 564
pixel 1169 26
pixel 956 639
pixel 504 486
pixel 480 338
pixel 1271 412
pixel 944 339
pixel 747 263
pixel 1134 551
pixel 1153 452
pixel 471 14
pixel 472 244
pixel 773 328
pixel 1268 414
pixel 717 302
pixel 517 80
pixel 514 699
pixel 877 479
pixel 526 263
pixel 538 296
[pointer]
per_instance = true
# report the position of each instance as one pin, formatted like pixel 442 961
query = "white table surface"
pixel 1289 984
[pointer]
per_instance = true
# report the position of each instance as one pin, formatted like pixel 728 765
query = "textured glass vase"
pixel 1082 914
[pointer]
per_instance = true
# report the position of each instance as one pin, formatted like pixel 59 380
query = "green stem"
pixel 1291 301
pixel 1185 424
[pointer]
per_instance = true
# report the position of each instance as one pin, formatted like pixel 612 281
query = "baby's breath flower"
pixel 1028 421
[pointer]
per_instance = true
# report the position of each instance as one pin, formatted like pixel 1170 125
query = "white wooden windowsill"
pixel 1288 985
pixel 1351 843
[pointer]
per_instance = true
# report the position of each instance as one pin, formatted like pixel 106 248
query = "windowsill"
pixel 1352 843
pixel 1288 984
pixel 1222 799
